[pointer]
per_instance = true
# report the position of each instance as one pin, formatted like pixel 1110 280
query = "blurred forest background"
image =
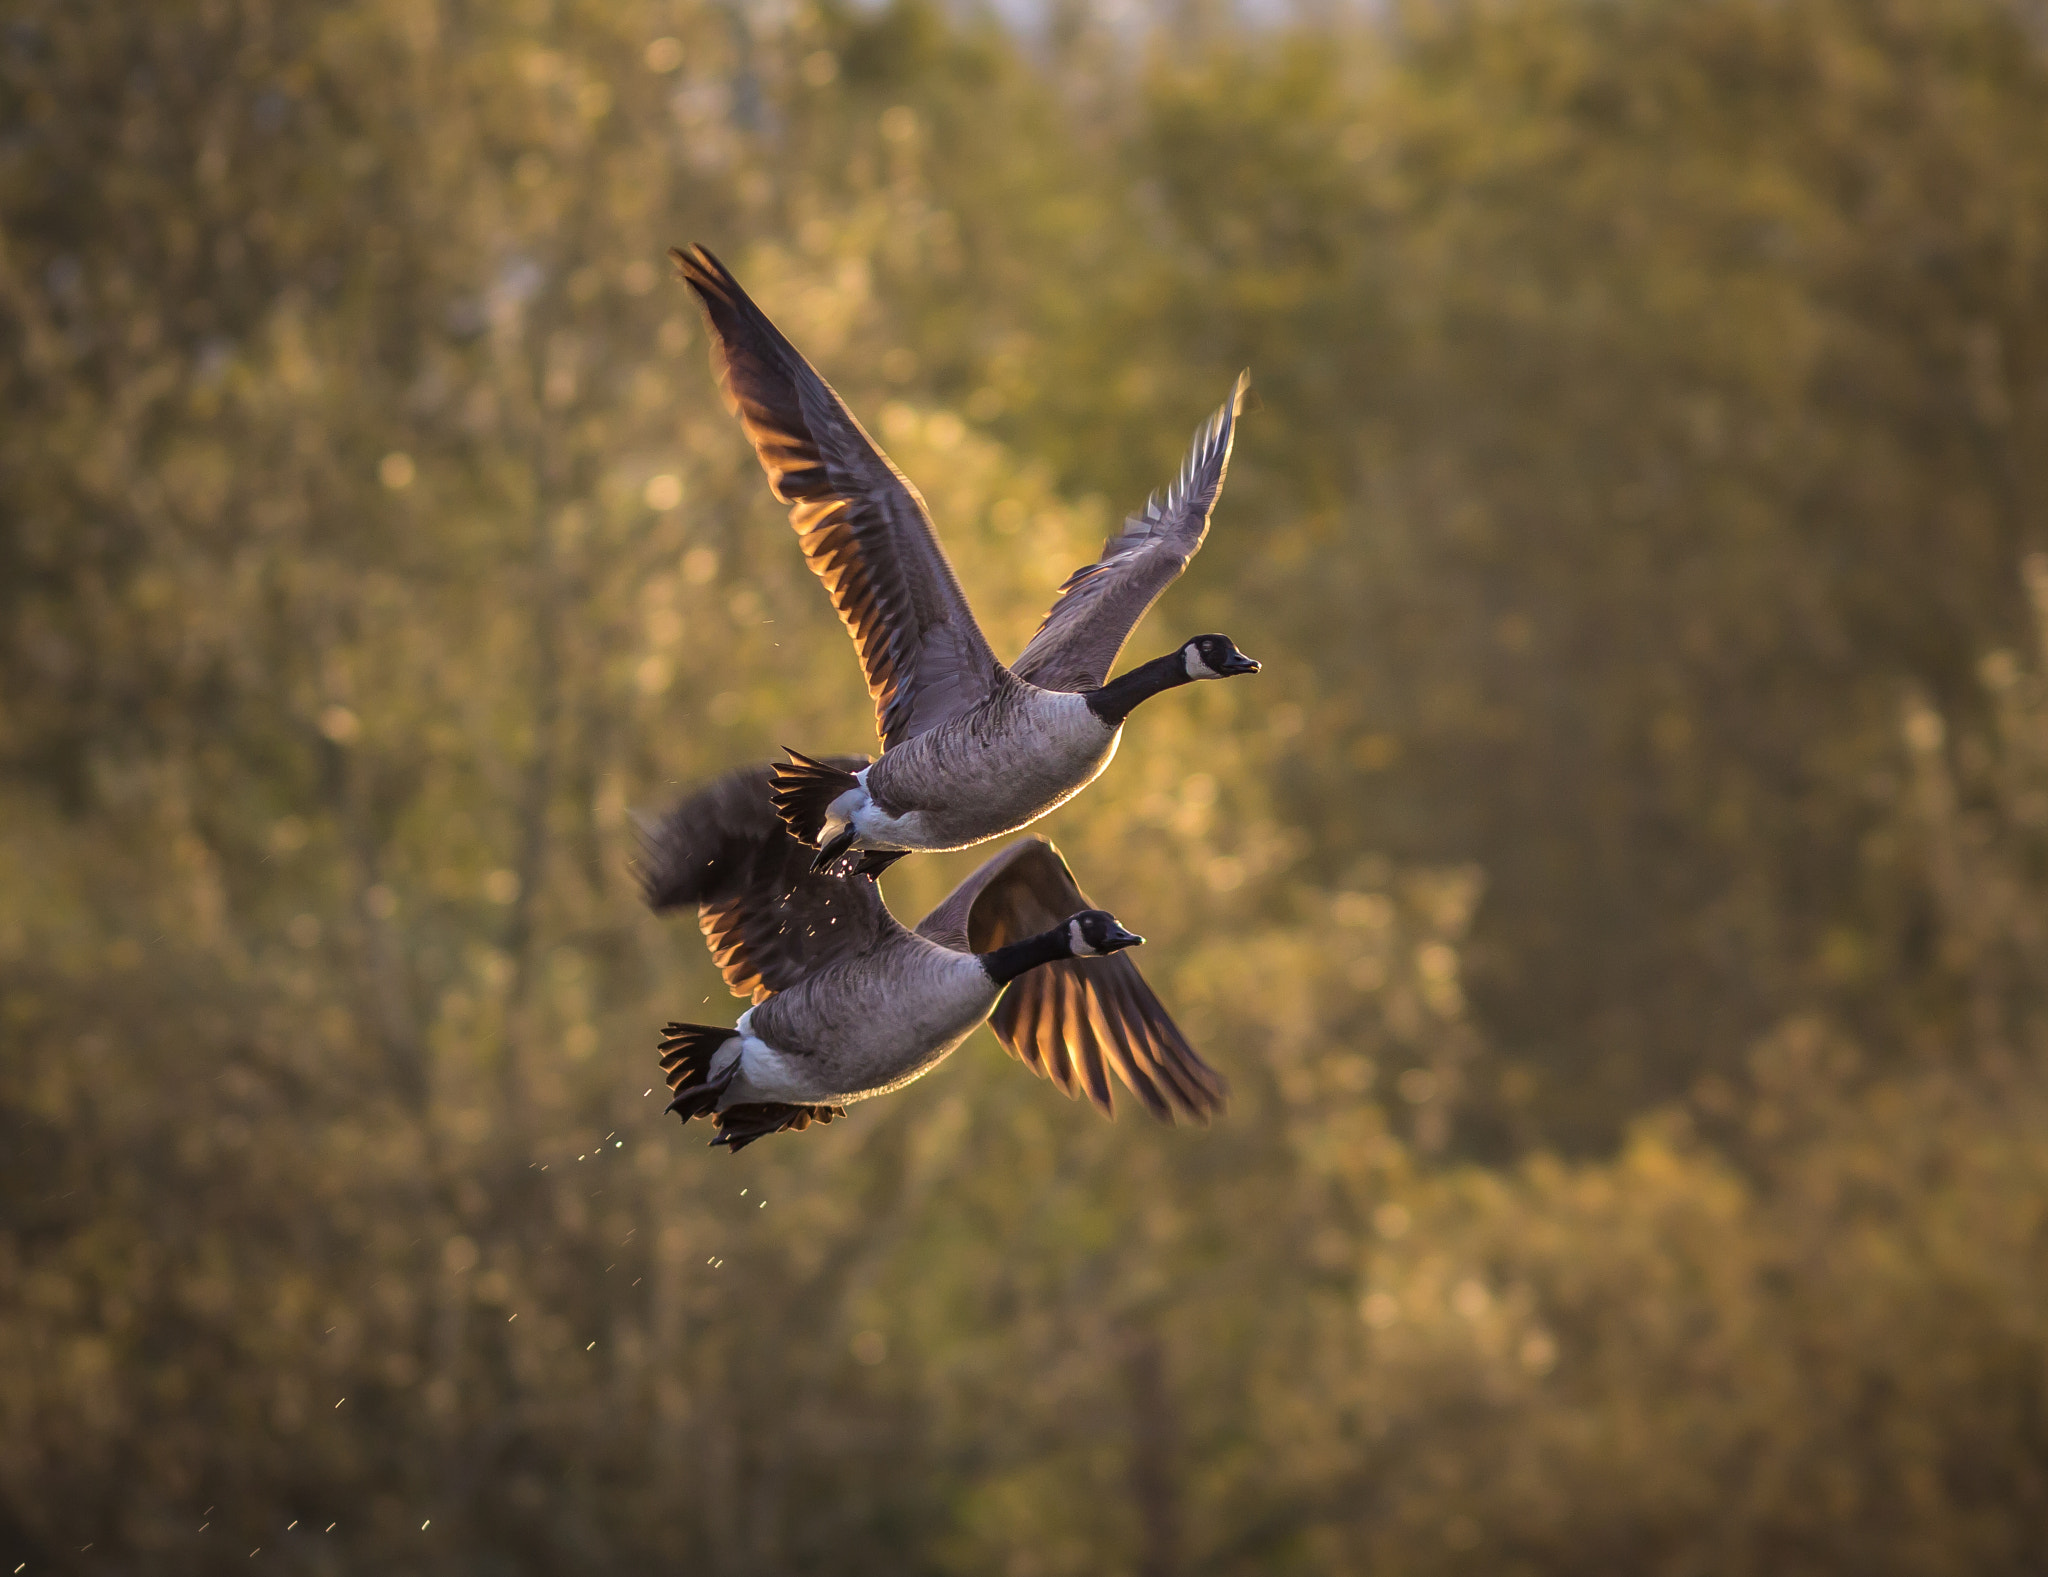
pixel 1621 905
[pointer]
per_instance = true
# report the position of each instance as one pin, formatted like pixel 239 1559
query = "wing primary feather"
pixel 1098 606
pixel 1132 1064
pixel 1093 1050
pixel 1014 1022
pixel 1139 1034
pixel 1052 1044
pixel 1201 1089
pixel 862 527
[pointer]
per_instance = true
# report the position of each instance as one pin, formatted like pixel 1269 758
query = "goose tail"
pixel 686 1054
pixel 803 791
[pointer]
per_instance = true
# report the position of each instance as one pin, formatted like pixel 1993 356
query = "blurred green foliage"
pixel 1619 904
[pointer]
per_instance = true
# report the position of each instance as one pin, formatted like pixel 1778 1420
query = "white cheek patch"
pixel 1197 669
pixel 1077 944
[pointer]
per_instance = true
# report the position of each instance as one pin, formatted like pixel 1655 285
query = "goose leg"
pixel 831 851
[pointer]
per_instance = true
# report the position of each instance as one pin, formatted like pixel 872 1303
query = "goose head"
pixel 1216 657
pixel 1094 932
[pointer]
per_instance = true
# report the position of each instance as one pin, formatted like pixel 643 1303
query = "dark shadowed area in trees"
pixel 1620 905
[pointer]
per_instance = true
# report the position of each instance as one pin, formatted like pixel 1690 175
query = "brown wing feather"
pixel 766 918
pixel 1073 1020
pixel 863 528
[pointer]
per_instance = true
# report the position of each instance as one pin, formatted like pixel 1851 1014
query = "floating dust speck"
pixel 426 1525
pixel 591 1348
pixel 330 1527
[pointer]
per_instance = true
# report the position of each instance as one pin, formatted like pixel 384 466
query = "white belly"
pixel 766 1072
pixel 873 827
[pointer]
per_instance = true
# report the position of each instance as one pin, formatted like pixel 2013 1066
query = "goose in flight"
pixel 848 1004
pixel 970 749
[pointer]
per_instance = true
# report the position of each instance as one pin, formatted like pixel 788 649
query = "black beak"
pixel 1119 938
pixel 1237 663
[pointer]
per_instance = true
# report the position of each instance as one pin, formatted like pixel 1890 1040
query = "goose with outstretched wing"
pixel 970 749
pixel 847 1004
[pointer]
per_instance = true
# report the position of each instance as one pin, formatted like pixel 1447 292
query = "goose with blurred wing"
pixel 848 1004
pixel 970 749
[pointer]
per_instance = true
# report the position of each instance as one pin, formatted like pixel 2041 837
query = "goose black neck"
pixel 1116 700
pixel 1005 964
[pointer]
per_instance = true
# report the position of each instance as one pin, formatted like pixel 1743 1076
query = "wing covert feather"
pixel 766 918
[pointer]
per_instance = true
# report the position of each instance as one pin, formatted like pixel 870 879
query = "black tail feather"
pixel 686 1053
pixel 803 790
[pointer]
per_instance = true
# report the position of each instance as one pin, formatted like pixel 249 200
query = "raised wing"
pixel 1075 1019
pixel 862 526
pixel 767 919
pixel 1101 603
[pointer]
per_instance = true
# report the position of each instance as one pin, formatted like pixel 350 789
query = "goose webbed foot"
pixel 739 1126
pixel 832 850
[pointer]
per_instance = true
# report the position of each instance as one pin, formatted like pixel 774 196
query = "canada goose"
pixel 970 749
pixel 848 1004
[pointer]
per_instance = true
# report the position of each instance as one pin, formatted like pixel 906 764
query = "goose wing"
pixel 767 920
pixel 1101 603
pixel 1073 1020
pixel 863 528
